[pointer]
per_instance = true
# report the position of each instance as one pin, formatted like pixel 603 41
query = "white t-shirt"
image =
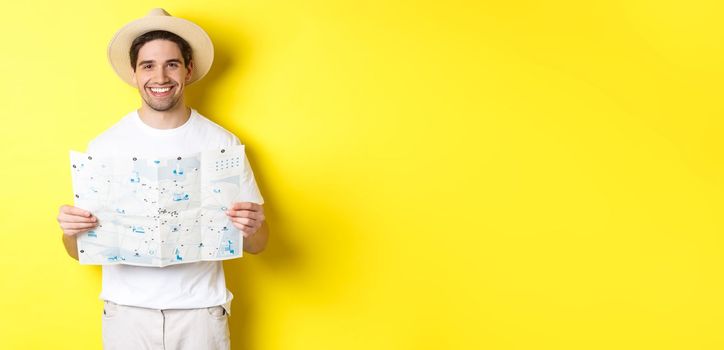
pixel 183 286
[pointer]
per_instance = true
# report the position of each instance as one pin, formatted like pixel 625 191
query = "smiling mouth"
pixel 160 91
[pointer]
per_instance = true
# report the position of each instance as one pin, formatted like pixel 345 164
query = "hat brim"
pixel 120 45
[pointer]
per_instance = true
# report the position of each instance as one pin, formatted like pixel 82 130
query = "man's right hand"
pixel 74 221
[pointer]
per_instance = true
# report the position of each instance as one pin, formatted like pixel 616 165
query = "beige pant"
pixel 136 328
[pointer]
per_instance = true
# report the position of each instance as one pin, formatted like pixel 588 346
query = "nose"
pixel 160 76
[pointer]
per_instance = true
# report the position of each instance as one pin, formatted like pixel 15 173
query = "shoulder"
pixel 213 132
pixel 106 141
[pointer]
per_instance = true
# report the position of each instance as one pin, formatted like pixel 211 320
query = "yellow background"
pixel 438 175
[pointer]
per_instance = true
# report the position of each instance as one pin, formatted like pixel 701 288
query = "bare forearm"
pixel 71 246
pixel 257 242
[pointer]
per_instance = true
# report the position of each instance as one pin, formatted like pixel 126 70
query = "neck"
pixel 170 119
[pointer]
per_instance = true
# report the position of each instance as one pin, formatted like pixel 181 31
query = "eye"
pixel 173 65
pixel 146 66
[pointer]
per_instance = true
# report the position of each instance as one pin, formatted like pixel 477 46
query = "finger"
pixel 246 226
pixel 83 226
pixel 67 209
pixel 246 221
pixel 76 218
pixel 246 231
pixel 256 215
pixel 242 227
pixel 245 206
pixel 77 226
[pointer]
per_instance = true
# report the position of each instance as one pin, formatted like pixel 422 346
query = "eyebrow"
pixel 176 60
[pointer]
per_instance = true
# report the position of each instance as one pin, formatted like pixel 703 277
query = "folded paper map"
pixel 160 212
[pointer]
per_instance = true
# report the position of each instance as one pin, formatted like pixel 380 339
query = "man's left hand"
pixel 247 217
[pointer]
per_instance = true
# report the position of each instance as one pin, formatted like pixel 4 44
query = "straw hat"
pixel 159 19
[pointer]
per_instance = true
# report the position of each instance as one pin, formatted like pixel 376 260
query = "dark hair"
pixel 183 45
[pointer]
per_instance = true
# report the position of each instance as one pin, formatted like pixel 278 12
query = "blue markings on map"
pixel 179 169
pixel 228 247
pixel 151 208
pixel 177 197
pixel 143 172
pixel 133 256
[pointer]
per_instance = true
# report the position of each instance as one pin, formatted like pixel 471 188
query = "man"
pixel 181 306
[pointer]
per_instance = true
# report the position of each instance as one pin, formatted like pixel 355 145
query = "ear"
pixel 133 76
pixel 190 70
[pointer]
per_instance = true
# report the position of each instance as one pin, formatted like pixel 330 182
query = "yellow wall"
pixel 438 175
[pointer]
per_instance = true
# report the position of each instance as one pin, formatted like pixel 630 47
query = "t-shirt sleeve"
pixel 98 148
pixel 248 182
pixel 91 147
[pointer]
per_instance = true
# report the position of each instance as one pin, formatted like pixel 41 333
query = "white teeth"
pixel 160 90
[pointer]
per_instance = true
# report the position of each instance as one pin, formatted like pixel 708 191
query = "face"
pixel 161 75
